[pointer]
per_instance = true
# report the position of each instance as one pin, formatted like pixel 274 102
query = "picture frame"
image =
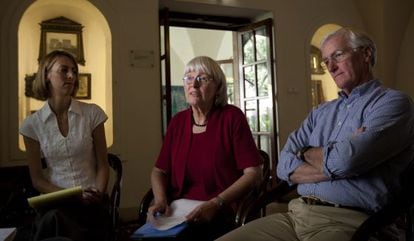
pixel 84 91
pixel 61 34
pixel 28 85
pixel 317 93
pixel 315 61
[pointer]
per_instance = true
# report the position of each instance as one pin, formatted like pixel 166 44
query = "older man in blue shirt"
pixel 348 154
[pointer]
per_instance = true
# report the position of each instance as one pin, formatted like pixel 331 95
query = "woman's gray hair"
pixel 40 84
pixel 355 39
pixel 210 67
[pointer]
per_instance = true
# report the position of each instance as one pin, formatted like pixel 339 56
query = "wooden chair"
pixel 401 207
pixel 115 193
pixel 261 188
pixel 16 187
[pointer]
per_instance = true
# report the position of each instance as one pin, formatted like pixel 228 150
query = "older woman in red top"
pixel 208 153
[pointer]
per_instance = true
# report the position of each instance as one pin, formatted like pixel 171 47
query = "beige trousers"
pixel 302 222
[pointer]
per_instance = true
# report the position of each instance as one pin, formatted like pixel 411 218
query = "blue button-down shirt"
pixel 364 168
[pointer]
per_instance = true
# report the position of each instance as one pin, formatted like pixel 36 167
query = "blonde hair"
pixel 211 68
pixel 40 84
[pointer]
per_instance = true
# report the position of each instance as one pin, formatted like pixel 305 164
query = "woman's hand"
pixel 204 212
pixel 159 208
pixel 92 195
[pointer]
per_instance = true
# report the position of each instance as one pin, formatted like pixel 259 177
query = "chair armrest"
pixel 243 206
pixel 251 210
pixel 402 205
pixel 143 207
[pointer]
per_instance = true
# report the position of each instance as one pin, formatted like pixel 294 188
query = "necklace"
pixel 198 125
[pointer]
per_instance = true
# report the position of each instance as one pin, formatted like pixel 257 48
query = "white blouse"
pixel 70 160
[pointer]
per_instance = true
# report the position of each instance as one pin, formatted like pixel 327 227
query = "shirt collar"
pixel 46 112
pixel 361 89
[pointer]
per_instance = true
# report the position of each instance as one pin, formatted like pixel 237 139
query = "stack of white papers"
pixel 180 209
pixel 167 226
pixel 7 234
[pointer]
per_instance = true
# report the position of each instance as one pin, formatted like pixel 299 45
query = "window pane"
pixel 163 97
pixel 247 42
pixel 255 137
pixel 251 114
pixel 263 80
pixel 265 144
pixel 261 44
pixel 162 40
pixel 265 112
pixel 178 102
pixel 249 81
pixel 228 72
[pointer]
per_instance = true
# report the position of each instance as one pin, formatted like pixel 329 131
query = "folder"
pixel 148 231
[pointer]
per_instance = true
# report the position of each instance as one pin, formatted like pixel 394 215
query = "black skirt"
pixel 77 222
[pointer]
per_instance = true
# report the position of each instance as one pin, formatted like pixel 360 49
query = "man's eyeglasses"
pixel 201 80
pixel 337 57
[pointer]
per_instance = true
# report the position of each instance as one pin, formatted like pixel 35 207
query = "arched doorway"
pixel 323 87
pixel 97 68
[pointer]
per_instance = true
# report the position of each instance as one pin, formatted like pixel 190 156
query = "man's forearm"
pixel 312 169
pixel 314 156
pixel 306 173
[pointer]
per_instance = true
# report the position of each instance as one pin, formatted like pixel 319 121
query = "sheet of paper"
pixel 180 208
pixel 7 234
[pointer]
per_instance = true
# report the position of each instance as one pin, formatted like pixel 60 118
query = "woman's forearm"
pixel 159 185
pixel 40 183
pixel 101 155
pixel 251 177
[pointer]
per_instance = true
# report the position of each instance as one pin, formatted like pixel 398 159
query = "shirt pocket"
pixel 352 125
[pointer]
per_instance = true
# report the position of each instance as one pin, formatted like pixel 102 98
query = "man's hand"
pixel 359 131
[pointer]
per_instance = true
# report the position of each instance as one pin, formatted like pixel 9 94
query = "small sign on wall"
pixel 141 58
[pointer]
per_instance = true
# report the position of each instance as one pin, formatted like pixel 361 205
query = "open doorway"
pixel 243 49
pixel 185 44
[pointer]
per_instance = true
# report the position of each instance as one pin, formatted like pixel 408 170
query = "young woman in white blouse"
pixel 66 147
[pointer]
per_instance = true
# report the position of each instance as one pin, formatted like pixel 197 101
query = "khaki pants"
pixel 302 222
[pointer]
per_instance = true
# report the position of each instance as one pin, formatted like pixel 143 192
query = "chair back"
pixel 401 206
pixel 115 193
pixel 241 216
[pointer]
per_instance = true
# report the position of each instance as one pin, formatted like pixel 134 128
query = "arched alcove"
pixel 323 87
pixel 97 39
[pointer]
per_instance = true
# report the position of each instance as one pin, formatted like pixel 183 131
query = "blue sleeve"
pixel 288 161
pixel 388 123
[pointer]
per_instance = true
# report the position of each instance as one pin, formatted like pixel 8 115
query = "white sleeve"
pixel 98 116
pixel 26 128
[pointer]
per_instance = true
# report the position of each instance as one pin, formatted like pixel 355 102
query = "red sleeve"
pixel 246 153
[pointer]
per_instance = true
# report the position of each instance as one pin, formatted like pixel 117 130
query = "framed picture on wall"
pixel 61 34
pixel 315 61
pixel 317 93
pixel 84 91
